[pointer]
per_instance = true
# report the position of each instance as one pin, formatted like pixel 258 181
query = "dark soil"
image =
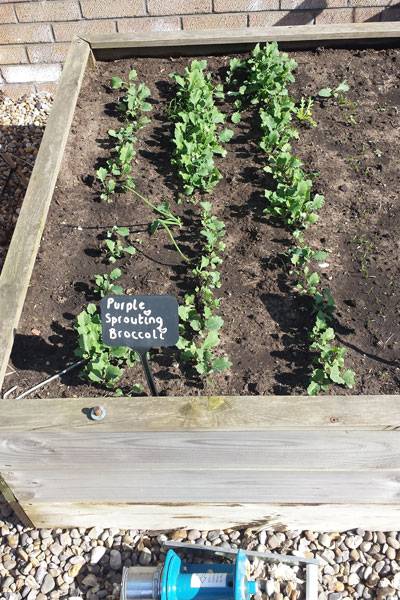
pixel 354 150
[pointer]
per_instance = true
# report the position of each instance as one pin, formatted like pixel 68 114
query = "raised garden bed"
pixel 267 323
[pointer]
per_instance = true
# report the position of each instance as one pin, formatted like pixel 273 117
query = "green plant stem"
pixel 162 221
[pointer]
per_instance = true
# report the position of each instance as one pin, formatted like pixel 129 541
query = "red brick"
pixel 25 32
pixel 220 21
pixel 244 5
pixel 47 53
pixel 104 9
pixel 13 55
pixel 16 90
pixel 335 15
pixel 282 17
pixel 149 24
pixel 367 14
pixel 179 7
pixel 64 32
pixel 7 14
pixel 51 10
pixel 311 4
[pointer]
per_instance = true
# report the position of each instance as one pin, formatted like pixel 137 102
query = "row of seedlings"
pixel 262 80
pixel 198 138
pixel 104 364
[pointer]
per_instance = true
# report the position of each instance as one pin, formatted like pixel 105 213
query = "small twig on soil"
pixel 390 336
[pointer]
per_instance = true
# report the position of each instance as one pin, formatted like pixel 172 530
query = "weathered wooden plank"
pixel 323 517
pixel 85 482
pixel 259 451
pixel 20 259
pixel 300 33
pixel 207 466
pixel 215 412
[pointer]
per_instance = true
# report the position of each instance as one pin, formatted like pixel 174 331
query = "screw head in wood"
pixel 97 413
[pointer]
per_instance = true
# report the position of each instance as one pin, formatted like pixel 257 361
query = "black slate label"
pixel 139 322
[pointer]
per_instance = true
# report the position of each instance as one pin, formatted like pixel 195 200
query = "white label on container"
pixel 208 580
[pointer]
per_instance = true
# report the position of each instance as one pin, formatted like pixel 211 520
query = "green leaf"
pixel 215 322
pixel 211 340
pixel 313 279
pixel 91 309
pixel 117 290
pixel 325 92
pixel 313 389
pixel 113 373
pixel 226 135
pixel 349 378
pixel 200 368
pixel 335 375
pixel 221 364
pixel 236 117
pixel 183 312
pixel 116 83
pixel 115 274
pixel 122 231
pixel 101 174
pixel 195 324
pixel 137 388
pixel 132 75
pixel 342 87
pixel 235 63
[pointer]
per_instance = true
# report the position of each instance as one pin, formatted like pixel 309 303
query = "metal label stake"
pixel 149 375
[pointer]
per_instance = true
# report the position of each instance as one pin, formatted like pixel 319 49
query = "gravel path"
pixel 21 128
pixel 40 564
pixel 43 564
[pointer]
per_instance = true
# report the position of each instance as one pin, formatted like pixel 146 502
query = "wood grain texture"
pixel 211 451
pixel 205 466
pixel 301 33
pixel 21 255
pixel 90 482
pixel 323 517
pixel 228 413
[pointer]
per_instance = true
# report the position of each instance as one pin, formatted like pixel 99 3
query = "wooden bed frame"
pixel 326 463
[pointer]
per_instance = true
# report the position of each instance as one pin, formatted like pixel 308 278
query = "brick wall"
pixel 34 34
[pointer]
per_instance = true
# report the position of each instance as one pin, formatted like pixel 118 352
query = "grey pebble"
pixel 193 535
pixel 380 537
pixel 353 541
pixel 90 580
pixel 48 584
pixel 325 540
pixel 115 560
pixel 9 563
pixel 213 535
pixel 40 574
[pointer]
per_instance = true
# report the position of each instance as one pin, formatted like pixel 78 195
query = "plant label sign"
pixel 139 322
